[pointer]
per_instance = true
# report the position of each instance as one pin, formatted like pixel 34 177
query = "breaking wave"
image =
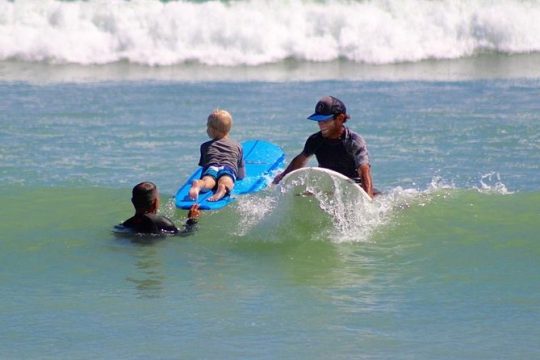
pixel 255 32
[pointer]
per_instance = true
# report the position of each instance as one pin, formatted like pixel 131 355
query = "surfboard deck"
pixel 260 158
pixel 306 193
pixel 310 181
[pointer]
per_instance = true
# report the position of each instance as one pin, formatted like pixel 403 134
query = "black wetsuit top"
pixel 151 224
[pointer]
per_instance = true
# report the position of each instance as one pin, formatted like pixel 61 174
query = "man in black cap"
pixel 336 147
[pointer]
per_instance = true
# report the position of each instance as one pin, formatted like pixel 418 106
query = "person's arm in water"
pixel 298 162
pixel 191 223
pixel 364 171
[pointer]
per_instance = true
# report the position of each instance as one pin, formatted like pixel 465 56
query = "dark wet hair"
pixel 144 194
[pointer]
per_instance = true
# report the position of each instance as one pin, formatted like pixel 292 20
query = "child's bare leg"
pixel 225 184
pixel 206 182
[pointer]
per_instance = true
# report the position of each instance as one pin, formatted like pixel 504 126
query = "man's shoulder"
pixel 313 142
pixel 160 220
pixel 129 223
pixel 150 224
pixel 315 137
pixel 354 136
pixel 351 132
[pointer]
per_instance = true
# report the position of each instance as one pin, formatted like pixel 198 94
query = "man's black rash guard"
pixel 344 155
pixel 151 224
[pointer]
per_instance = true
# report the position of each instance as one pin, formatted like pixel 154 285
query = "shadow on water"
pixel 149 278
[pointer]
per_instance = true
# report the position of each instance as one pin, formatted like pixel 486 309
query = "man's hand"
pixel 365 174
pixel 278 178
pixel 194 213
pixel 299 161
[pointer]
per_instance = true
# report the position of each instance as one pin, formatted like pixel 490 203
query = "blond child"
pixel 221 158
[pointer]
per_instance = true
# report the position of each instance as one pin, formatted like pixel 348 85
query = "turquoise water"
pixel 481 133
pixel 444 265
pixel 447 267
pixel 456 277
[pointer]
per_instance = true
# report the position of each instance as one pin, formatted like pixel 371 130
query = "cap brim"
pixel 320 117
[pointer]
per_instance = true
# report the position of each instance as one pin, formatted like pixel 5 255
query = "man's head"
pixel 328 108
pixel 219 124
pixel 145 197
pixel 330 114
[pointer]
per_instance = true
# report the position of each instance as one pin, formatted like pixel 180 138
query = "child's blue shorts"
pixel 218 171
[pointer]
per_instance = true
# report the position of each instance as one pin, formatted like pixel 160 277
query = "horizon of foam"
pixel 257 32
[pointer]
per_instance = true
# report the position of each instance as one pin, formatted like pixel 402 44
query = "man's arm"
pixel 191 226
pixel 364 171
pixel 298 162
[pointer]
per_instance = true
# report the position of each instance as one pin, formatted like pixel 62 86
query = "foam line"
pixel 258 32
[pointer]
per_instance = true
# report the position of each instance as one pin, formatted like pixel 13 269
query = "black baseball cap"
pixel 327 108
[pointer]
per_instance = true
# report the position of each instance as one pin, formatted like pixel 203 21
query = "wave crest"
pixel 258 32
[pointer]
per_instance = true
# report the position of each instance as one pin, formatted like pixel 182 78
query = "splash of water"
pixel 280 213
pixel 491 183
pixel 340 215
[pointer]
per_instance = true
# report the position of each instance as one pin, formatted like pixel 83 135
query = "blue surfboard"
pixel 260 157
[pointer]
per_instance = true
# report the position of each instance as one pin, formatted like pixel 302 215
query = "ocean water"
pixel 98 96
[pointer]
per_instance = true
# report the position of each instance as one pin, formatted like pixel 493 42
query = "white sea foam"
pixel 252 210
pixel 491 183
pixel 256 32
pixel 277 214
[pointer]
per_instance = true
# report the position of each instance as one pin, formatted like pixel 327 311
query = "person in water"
pixel 335 146
pixel 221 158
pixel 145 199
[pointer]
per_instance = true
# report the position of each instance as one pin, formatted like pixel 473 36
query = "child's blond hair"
pixel 220 121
